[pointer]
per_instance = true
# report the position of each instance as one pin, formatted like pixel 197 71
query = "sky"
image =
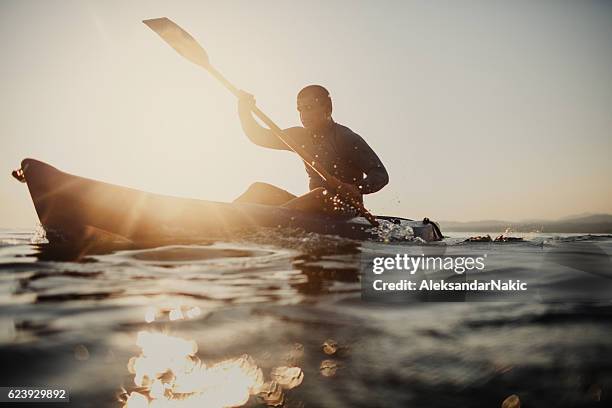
pixel 479 109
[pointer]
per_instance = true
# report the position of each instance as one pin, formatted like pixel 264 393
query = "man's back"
pixel 345 155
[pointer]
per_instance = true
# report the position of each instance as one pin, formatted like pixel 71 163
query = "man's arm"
pixel 259 134
pixel 366 159
pixel 314 180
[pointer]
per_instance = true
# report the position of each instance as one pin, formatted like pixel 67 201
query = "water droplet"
pixel 328 368
pixel 330 347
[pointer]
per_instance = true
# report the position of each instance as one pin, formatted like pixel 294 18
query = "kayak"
pixel 73 209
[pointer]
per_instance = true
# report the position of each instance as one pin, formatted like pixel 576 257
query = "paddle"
pixel 189 48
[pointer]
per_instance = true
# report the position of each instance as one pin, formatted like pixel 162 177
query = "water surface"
pixel 84 318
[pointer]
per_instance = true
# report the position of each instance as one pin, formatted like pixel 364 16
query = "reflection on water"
pixel 169 373
pixel 278 320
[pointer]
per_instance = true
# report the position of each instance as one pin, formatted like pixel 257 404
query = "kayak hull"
pixel 73 208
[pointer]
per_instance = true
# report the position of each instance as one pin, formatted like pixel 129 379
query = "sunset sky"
pixel 479 109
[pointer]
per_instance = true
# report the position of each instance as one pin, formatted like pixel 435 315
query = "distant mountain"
pixel 574 216
pixel 585 223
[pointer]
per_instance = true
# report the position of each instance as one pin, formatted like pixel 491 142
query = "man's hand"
pixel 246 100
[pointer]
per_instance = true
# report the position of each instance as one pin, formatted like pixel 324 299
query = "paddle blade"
pixel 179 39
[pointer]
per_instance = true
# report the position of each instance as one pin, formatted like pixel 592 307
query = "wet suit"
pixel 339 150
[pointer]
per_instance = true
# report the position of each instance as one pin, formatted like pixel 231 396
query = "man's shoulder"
pixel 346 132
pixel 347 135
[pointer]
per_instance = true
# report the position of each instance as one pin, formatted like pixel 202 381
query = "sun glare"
pixel 168 373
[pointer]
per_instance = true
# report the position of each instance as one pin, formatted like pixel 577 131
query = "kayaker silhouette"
pixel 336 148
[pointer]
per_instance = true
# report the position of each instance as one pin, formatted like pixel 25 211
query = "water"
pixel 93 321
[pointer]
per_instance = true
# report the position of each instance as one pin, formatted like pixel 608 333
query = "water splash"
pixel 389 231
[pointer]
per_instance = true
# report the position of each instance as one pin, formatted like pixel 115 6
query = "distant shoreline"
pixel 594 224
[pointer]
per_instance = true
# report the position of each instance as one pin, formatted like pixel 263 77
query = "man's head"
pixel 315 106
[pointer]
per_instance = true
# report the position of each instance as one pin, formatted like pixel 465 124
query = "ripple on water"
pixel 296 299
